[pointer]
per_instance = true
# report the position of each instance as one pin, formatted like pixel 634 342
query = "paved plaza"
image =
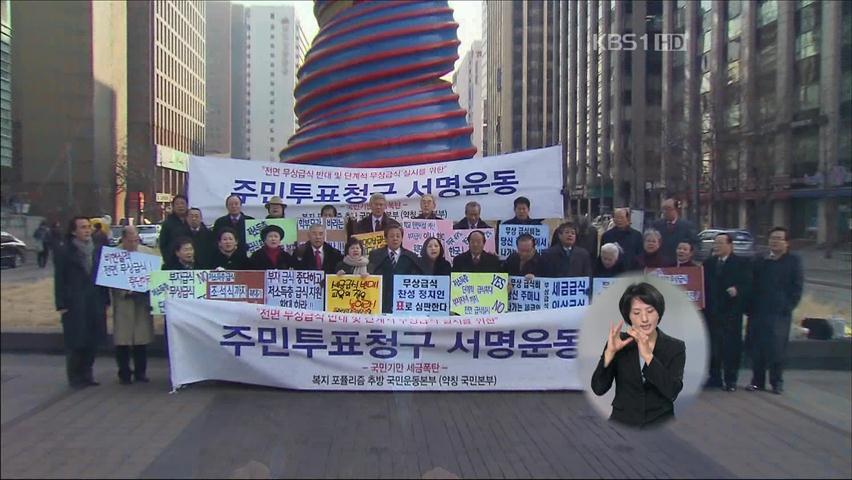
pixel 226 430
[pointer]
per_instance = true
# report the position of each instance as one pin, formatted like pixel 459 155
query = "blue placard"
pixel 510 233
pixel 421 295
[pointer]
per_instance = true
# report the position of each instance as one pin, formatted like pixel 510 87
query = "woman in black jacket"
pixel 183 257
pixel 432 258
pixel 228 256
pixel 271 255
pixel 646 364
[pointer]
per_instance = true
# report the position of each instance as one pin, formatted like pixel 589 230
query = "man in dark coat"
pixel 476 259
pixel 627 237
pixel 202 239
pixel 316 253
pixel 235 219
pixel 173 227
pixel 427 208
pixel 726 283
pixel 526 260
pixel 392 260
pixel 674 230
pixel 566 259
pixel 378 220
pixel 82 304
pixel 777 290
pixel 522 213
pixel 471 218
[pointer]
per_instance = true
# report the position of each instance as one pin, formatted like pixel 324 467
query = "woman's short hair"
pixel 651 233
pixel 613 248
pixel 180 242
pixel 645 292
pixel 353 241
pixel 225 230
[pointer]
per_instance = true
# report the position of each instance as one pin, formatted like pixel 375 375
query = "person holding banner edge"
pixel 271 255
pixel 646 364
pixel 390 261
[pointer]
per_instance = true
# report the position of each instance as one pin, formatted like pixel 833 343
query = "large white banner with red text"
pixel 494 182
pixel 308 350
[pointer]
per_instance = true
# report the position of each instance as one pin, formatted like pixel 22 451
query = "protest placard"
pixel 413 239
pixel 525 295
pixel 184 284
pixel 254 227
pixel 119 268
pixel 691 279
pixel 302 289
pixel 353 294
pixel 235 285
pixel 421 295
pixel 510 233
pixel 335 231
pixel 455 243
pixel 566 292
pixel 479 293
pixel 371 241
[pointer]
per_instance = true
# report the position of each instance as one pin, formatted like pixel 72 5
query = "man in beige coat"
pixel 133 325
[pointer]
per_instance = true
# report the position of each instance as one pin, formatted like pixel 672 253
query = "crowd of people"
pixel 766 289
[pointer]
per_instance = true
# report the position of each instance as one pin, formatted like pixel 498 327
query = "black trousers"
pixel 79 363
pixel 42 257
pixel 726 347
pixel 770 335
pixel 140 361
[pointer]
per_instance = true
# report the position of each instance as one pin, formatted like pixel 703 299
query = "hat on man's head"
pixel 276 200
pixel 271 228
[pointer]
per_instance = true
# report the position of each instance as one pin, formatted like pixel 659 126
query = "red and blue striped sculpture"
pixel 370 94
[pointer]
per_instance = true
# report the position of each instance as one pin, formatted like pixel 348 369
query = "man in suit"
pixel 428 205
pixel 673 230
pixel 377 221
pixel 627 237
pixel 525 262
pixel 685 254
pixel 202 238
pixel 726 280
pixel 174 227
pixel 522 213
pixel 778 282
pixel 235 219
pixel 476 259
pixel 565 259
pixel 392 260
pixel 316 253
pixel 471 220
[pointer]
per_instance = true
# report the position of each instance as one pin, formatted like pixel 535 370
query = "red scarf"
pixel 272 254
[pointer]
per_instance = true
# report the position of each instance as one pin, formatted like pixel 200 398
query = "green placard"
pixel 479 293
pixel 176 284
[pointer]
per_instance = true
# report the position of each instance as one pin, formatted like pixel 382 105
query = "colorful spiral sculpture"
pixel 370 94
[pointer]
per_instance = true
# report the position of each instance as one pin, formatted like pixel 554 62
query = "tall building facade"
pixel 521 55
pixel 218 80
pixel 467 83
pixel 5 83
pixel 268 47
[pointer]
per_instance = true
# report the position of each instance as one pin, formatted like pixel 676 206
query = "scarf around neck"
pixel 359 265
pixel 85 251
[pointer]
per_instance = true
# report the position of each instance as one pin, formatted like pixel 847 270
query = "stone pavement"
pixel 226 430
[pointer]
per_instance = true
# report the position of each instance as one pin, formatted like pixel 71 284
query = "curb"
pixel 801 354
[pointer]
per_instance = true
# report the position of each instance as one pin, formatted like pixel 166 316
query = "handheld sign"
pixel 119 268
pixel 510 233
pixel 302 289
pixel 372 241
pixel 421 295
pixel 235 286
pixel 479 293
pixel 353 294
pixel 186 284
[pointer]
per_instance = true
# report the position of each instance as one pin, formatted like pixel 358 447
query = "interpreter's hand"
pixel 614 343
pixel 644 344
pixel 732 291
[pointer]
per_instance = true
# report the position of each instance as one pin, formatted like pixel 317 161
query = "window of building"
pixel 732 115
pixel 735 8
pixel 805 153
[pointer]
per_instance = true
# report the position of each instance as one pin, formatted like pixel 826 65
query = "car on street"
pixel 115 235
pixel 149 234
pixel 14 251
pixel 743 243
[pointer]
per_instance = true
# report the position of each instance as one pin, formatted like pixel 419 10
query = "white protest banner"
pixel 525 295
pixel 278 347
pixel 510 233
pixel 119 268
pixel 302 289
pixel 494 182
pixel 455 243
pixel 601 284
pixel 421 295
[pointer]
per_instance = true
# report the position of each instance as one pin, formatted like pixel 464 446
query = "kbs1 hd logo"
pixel 661 42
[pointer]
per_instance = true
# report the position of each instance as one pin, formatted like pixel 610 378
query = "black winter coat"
pixel 735 273
pixel 260 261
pixel 171 229
pixel 237 261
pixel 84 324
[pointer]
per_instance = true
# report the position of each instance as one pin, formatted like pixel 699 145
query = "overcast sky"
pixel 468 14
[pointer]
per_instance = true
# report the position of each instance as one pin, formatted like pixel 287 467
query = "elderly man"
pixel 471 220
pixel 428 205
pixel 235 219
pixel 390 261
pixel 476 259
pixel 777 287
pixel 174 226
pixel 627 237
pixel 202 238
pixel 685 254
pixel 378 220
pixel 525 262
pixel 673 230
pixel 566 259
pixel 610 263
pixel 316 253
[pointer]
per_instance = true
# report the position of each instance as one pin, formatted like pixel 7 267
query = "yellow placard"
pixel 372 241
pixel 353 294
pixel 479 293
